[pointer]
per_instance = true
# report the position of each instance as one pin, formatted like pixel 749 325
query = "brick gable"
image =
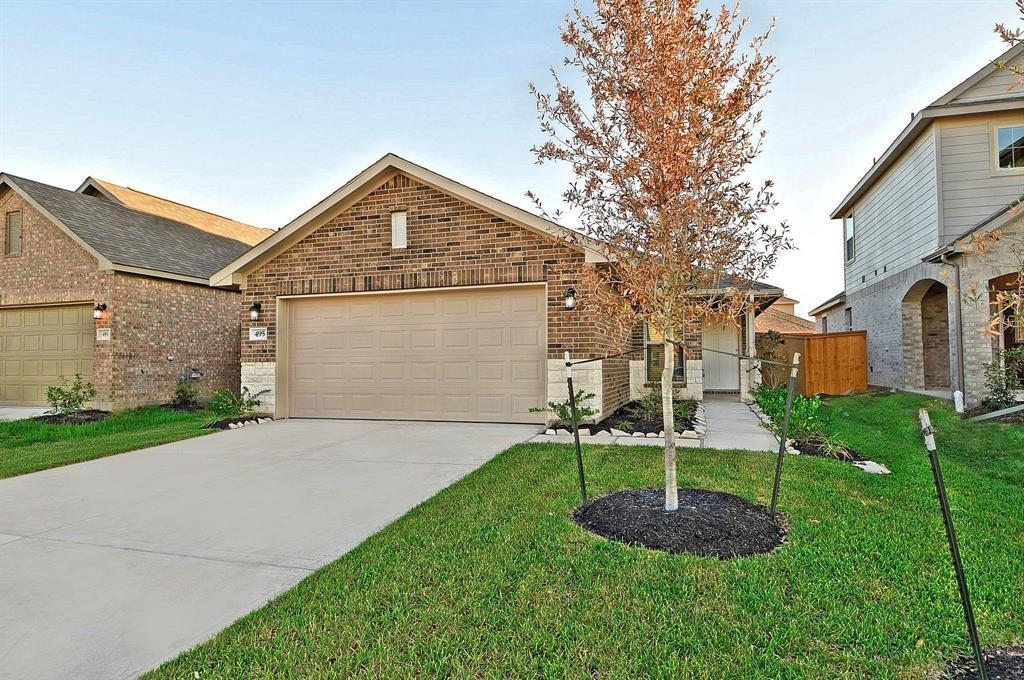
pixel 450 244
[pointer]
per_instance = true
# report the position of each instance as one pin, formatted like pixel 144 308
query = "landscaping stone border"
pixel 686 438
pixel 868 466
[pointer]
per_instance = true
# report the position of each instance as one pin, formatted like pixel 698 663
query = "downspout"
pixel 958 316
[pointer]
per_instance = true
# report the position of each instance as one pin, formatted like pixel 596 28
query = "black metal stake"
pixel 575 428
pixel 784 439
pixel 954 547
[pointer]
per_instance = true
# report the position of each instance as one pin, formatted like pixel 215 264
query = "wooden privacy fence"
pixel 830 363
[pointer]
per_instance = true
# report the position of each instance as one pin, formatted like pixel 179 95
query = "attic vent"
pixel 398 237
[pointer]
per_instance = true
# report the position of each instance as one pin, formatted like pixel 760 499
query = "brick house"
pixel 407 295
pixel 957 169
pixel 113 284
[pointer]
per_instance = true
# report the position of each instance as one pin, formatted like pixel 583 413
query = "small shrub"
pixel 186 395
pixel 228 404
pixel 1004 376
pixel 67 398
pixel 805 417
pixel 563 410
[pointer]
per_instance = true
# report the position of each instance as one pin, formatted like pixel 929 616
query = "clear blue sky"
pixel 258 110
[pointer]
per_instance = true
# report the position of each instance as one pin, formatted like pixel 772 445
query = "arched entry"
pixel 926 326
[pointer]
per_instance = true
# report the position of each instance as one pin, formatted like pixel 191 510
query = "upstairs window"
pixel 848 236
pixel 848 318
pixel 12 233
pixel 1010 147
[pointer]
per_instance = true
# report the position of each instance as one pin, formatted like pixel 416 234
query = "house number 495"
pixel 257 334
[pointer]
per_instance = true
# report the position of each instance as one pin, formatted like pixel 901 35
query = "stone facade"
pixel 450 244
pixel 158 326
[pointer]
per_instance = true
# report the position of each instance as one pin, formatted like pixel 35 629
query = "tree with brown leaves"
pixel 660 145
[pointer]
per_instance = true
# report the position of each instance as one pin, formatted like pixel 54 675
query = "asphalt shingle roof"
pixel 135 239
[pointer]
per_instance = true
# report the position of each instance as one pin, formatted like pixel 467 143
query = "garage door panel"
pixel 38 345
pixel 439 355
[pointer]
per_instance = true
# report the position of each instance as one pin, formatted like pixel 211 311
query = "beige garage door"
pixel 38 345
pixel 473 355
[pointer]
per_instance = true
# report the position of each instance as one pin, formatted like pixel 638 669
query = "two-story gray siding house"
pixel 911 275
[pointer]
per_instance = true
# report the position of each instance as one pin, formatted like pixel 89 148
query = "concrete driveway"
pixel 109 567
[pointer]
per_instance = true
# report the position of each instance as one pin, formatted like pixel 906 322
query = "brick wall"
pixel 150 319
pixel 450 244
pixel 935 337
pixel 160 327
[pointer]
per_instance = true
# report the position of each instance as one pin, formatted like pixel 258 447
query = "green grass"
pixel 29 446
pixel 490 578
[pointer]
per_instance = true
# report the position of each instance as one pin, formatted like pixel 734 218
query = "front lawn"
pixel 28 445
pixel 492 578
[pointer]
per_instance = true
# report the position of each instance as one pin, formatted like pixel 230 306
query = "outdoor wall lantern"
pixel 570 298
pixel 254 311
pixel 97 311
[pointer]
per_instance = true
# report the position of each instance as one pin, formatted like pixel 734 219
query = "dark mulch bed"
pixel 816 447
pixel 982 409
pixel 632 418
pixel 707 523
pixel 225 424
pixel 1000 664
pixel 80 418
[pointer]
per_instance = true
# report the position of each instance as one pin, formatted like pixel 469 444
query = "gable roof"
pixel 367 181
pixel 947 105
pixel 834 301
pixel 128 240
pixel 172 210
pixel 783 322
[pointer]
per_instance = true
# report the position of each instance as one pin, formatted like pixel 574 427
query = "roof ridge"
pixel 184 205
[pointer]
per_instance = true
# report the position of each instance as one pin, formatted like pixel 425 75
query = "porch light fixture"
pixel 254 311
pixel 97 311
pixel 570 298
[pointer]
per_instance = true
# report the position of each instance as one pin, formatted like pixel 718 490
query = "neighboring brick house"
pixel 407 295
pixel 781 317
pixel 67 257
pixel 955 170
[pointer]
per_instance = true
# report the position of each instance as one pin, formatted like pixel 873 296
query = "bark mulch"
pixel 79 418
pixel 707 523
pixel 1000 664
pixel 632 417
pixel 982 409
pixel 817 447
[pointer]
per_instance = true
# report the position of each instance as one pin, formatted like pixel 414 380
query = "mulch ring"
pixel 816 447
pixel 225 424
pixel 79 418
pixel 1000 664
pixel 982 409
pixel 630 418
pixel 707 523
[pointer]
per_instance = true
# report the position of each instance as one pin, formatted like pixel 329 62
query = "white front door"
pixel 722 371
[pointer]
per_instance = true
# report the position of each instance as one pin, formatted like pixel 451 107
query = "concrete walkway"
pixel 109 567
pixel 732 425
pixel 21 412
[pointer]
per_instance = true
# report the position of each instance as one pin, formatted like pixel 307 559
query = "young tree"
pixel 660 144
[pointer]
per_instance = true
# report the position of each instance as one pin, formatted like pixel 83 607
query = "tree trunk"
pixel 668 416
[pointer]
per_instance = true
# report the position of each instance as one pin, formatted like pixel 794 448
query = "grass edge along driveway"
pixel 491 578
pixel 29 446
